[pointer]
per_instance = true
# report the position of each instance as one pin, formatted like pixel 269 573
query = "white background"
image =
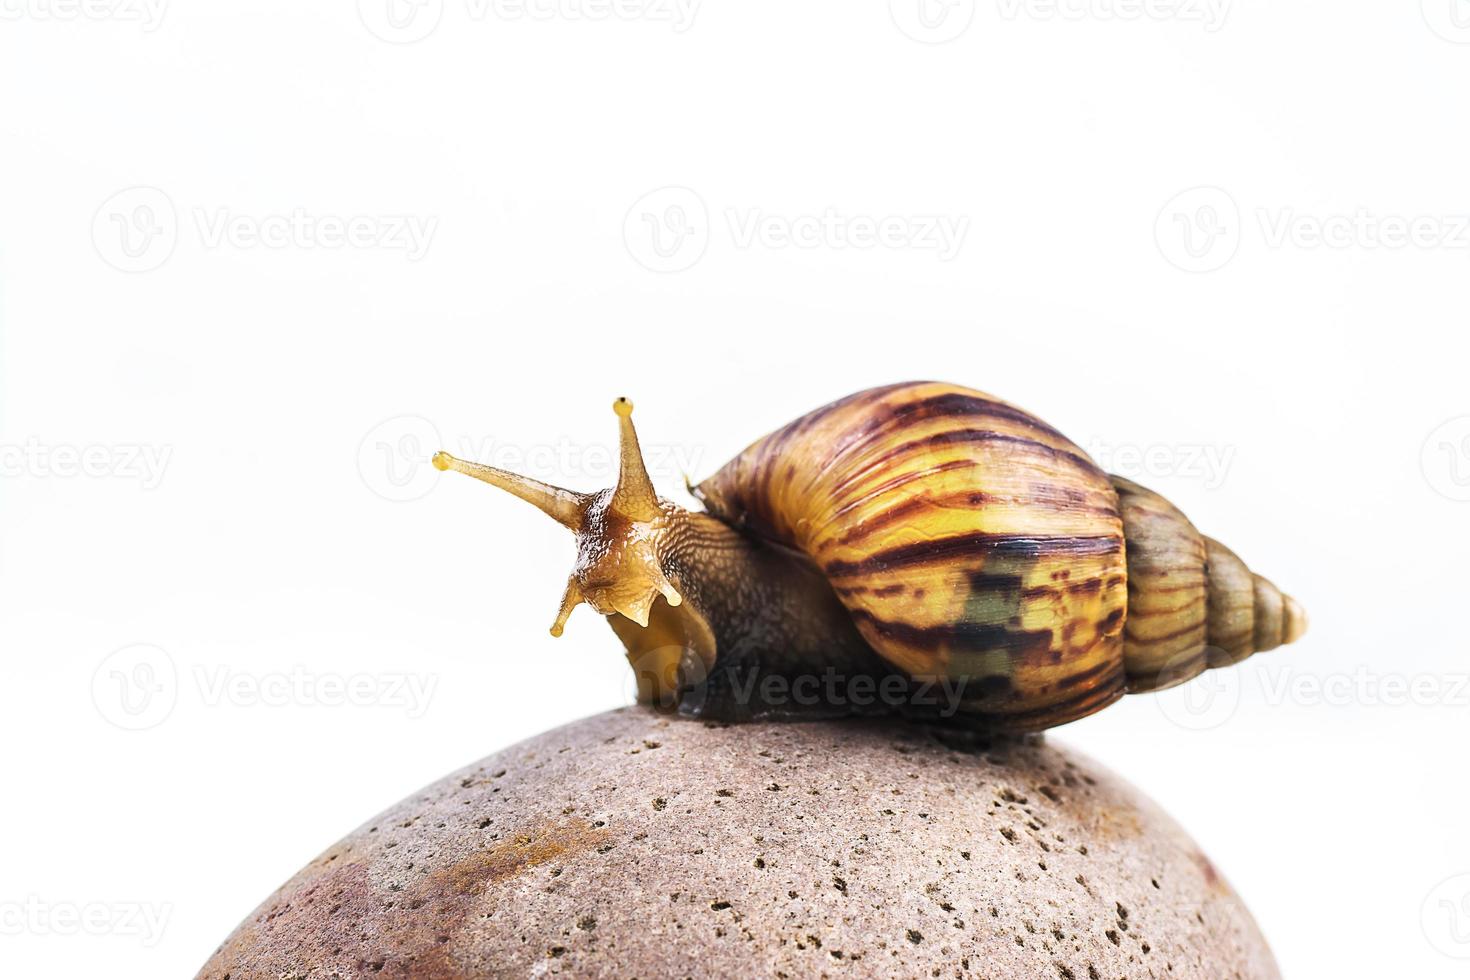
pixel 213 407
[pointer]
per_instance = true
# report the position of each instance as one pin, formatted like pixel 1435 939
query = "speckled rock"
pixel 636 845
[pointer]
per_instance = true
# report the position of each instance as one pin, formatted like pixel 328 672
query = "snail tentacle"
pixel 634 495
pixel 563 506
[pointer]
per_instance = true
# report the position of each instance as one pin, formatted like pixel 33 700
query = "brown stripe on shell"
pixel 1013 716
pixel 1184 668
pixel 1086 677
pixel 903 480
pixel 1088 586
pixel 960 637
pixel 900 415
pixel 1232 603
pixel 954 437
pixel 978 544
pixel 1137 634
pixel 967 500
pixel 1165 633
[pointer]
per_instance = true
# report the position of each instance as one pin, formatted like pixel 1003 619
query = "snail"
pixel 912 535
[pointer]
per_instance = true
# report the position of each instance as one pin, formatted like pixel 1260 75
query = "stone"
pixel 635 844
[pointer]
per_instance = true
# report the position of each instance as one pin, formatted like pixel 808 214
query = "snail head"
pixel 618 530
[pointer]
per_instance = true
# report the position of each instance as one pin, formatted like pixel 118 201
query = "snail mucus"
pixel 941 546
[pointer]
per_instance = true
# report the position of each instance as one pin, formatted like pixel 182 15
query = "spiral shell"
pixel 1192 604
pixel 969 539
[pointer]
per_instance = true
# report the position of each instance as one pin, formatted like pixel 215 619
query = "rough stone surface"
pixel 631 844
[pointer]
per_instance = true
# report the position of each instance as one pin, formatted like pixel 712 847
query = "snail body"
pixel 920 537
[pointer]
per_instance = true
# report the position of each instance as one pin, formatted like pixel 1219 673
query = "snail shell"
pixel 968 538
pixel 923 530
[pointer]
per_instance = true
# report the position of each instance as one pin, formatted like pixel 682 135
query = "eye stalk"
pixel 563 506
pixel 634 496
pixel 619 531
